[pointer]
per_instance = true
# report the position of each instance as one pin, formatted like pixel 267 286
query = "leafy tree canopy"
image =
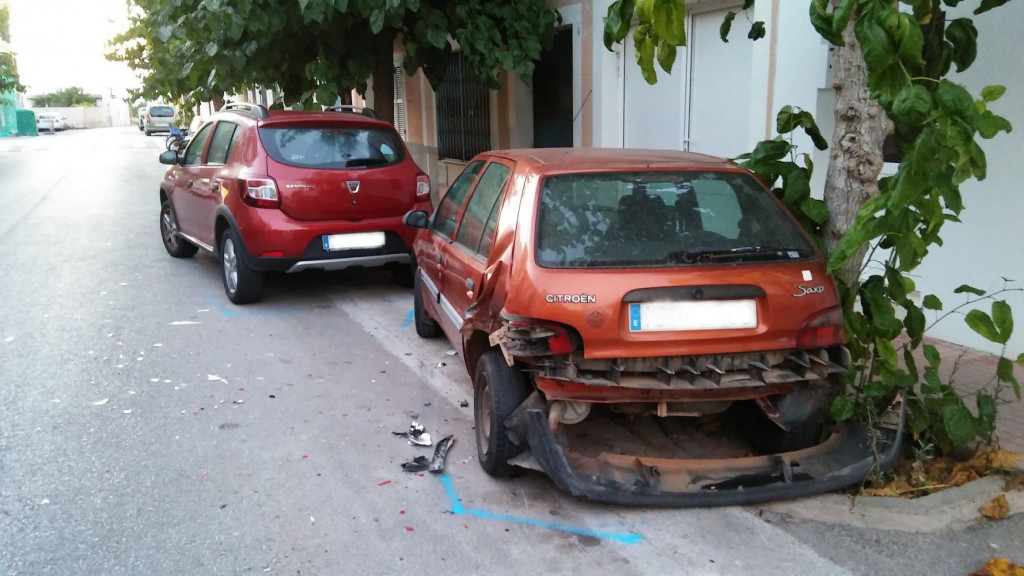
pixel 65 97
pixel 9 80
pixel 201 49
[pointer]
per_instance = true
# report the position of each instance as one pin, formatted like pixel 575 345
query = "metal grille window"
pixel 463 113
pixel 400 118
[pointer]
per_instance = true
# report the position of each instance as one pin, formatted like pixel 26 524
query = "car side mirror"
pixel 416 218
pixel 169 157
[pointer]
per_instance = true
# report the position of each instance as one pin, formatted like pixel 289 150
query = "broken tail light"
pixel 822 329
pixel 422 187
pixel 531 338
pixel 260 192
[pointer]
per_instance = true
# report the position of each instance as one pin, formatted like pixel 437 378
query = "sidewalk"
pixel 975 370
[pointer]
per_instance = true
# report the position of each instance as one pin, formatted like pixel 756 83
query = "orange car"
pixel 655 283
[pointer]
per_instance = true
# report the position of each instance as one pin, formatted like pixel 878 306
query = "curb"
pixel 953 508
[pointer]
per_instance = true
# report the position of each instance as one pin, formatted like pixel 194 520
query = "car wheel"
pixel 242 284
pixel 148 132
pixel 174 244
pixel 426 327
pixel 403 274
pixel 498 390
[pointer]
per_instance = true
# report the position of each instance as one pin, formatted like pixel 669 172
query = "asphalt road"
pixel 148 426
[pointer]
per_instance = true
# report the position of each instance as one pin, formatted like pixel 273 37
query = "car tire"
pixel 242 284
pixel 498 389
pixel 403 274
pixel 174 244
pixel 426 327
pixel 148 132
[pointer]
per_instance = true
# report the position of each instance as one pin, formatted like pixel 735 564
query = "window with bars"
pixel 463 112
pixel 400 117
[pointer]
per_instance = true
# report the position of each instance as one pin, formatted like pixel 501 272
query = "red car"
pixel 589 290
pixel 286 191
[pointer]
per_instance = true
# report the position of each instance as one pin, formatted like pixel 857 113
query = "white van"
pixel 158 118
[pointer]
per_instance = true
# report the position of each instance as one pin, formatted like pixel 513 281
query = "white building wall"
pixel 989 243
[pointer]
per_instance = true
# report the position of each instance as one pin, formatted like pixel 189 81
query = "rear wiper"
pixel 708 255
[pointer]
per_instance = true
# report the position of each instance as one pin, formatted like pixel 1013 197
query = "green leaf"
pixel 1002 318
pixel 932 302
pixel 915 323
pixel 981 323
pixel 726 26
pixel 211 49
pixel 616 24
pixel 823 22
pixel 1004 371
pixel 955 99
pixel 757 31
pixel 841 16
pixel 842 409
pixel 910 39
pixel 913 104
pixel 668 17
pixel 989 125
pixel 987 5
pixel 968 288
pixel 644 48
pixel 959 423
pixel 666 55
pixel 992 93
pixel 910 362
pixel 815 209
pixel 964 37
pixel 887 352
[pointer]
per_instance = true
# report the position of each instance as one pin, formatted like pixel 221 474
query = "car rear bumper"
pixel 315 257
pixel 844 459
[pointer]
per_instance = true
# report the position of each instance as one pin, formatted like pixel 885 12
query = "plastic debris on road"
pixel 416 434
pixel 101 402
pixel 464 404
pixel 436 463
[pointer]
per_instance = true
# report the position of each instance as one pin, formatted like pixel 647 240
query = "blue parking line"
pixel 409 318
pixel 459 510
pixel 225 310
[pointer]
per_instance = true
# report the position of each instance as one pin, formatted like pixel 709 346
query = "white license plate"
pixel 333 242
pixel 692 315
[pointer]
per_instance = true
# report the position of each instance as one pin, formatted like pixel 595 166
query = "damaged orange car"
pixel 593 292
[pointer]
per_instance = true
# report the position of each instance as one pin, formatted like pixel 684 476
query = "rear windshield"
pixel 652 219
pixel 161 111
pixel 332 147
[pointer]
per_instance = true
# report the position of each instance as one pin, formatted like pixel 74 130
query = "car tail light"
pixel 422 186
pixel 532 338
pixel 260 192
pixel 822 329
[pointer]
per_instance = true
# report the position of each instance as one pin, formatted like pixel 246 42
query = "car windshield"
pixel 161 111
pixel 653 219
pixel 332 147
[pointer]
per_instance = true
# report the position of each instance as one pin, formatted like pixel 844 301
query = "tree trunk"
pixel 384 84
pixel 855 159
pixel 218 103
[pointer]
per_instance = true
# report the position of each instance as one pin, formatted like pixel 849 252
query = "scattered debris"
pixel 101 402
pixel 184 323
pixel 384 483
pixel 9 339
pixel 415 435
pixel 464 404
pixel 126 411
pixel 408 528
pixel 434 464
pixel 996 508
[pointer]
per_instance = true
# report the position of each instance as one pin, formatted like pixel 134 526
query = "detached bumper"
pixel 846 458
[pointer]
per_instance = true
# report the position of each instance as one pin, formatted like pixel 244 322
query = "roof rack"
pixel 245 107
pixel 355 110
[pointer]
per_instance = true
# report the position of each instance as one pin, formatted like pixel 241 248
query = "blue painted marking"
pixel 460 510
pixel 409 318
pixel 227 311
pixel 634 317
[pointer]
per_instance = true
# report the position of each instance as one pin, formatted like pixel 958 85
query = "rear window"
pixel 332 147
pixel 161 112
pixel 652 219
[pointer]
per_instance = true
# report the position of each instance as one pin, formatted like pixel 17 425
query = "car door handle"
pixel 470 285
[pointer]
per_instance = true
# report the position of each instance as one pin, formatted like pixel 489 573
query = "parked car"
pixel 287 191
pixel 655 283
pixel 158 118
pixel 48 122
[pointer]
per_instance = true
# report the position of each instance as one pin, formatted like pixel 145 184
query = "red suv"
pixel 609 302
pixel 286 191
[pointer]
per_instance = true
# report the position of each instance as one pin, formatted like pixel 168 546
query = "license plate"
pixel 334 242
pixel 690 315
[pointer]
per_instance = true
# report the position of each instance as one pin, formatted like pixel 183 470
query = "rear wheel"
pixel 426 327
pixel 174 244
pixel 804 413
pixel 242 284
pixel 498 389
